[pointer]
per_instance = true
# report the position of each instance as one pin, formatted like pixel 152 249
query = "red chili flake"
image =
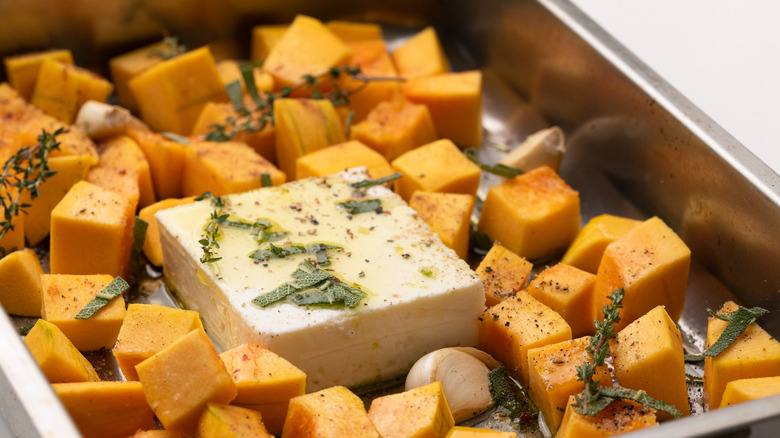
pixel 237 370
pixel 525 417
pixel 245 357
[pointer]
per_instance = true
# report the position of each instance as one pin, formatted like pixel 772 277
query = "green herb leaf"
pixel 357 207
pixel 24 330
pixel 376 182
pixel 693 358
pixel 113 290
pixel 139 235
pixel 497 169
pixel 640 397
pixel 275 295
pixel 174 48
pixel 216 201
pixel 506 396
pixel 265 180
pixel 176 137
pixel 236 94
pixel 738 320
pixel 313 286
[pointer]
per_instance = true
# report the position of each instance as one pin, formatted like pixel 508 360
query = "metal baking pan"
pixel 635 146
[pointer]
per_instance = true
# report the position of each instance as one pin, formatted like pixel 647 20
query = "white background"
pixel 724 55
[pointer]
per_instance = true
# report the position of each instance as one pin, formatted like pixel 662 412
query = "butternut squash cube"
pixel 473 432
pixel 421 55
pixel 218 113
pixel 62 88
pixel 334 411
pixel 120 182
pixel 436 167
pixel 63 298
pixel 171 94
pixel 123 154
pixel 147 329
pixel 179 380
pixel 420 412
pixel 14 237
pixel 106 409
pixel 230 71
pixel 395 127
pixel 225 167
pixel 304 126
pixel 294 55
pixel 264 38
pixel 534 215
pixel 503 274
pixel 553 376
pixel 91 232
pixel 753 354
pixel 20 283
pixel 57 357
pixel 448 215
pixel 568 291
pixel 265 382
pixel 155 433
pixel 621 416
pixel 651 263
pixel 353 31
pixel 166 162
pixel 152 247
pixel 22 70
pixel 129 65
pixel 374 61
pixel 221 420
pixel 587 248
pixel 742 390
pixel 510 328
pixel 336 158
pixel 649 344
pixel 455 103
pixel 70 170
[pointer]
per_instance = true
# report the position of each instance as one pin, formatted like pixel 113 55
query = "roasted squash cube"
pixel 338 157
pixel 106 409
pixel 127 66
pixel 448 215
pixel 503 274
pixel 553 376
pixel 123 154
pixel 230 71
pixel 420 412
pixel 14 237
pixel 91 231
pixel 568 291
pixel 179 380
pixel 395 127
pixel 455 103
pixel 57 357
pixel 587 248
pixel 120 182
pixel 294 55
pixel 63 298
pixel 374 61
pixel 510 328
pixel 218 113
pixel 534 215
pixel 62 88
pixel 171 94
pixel 152 247
pixel 436 167
pixel 264 39
pixel 621 416
pixel 147 329
pixel 225 167
pixel 742 390
pixel 304 126
pixel 166 162
pixel 353 31
pixel 334 411
pixel 22 70
pixel 473 432
pixel 221 420
pixel 265 382
pixel 647 345
pixel 20 283
pixel 651 263
pixel 753 354
pixel 421 55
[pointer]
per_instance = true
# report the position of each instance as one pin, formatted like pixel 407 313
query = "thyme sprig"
pixel 213 231
pixel 255 119
pixel 172 48
pixel 26 170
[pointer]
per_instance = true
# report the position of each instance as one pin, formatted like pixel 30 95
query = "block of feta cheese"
pixel 418 294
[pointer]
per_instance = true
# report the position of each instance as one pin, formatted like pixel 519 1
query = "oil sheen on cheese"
pixel 420 295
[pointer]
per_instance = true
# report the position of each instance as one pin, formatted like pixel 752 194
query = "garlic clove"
pixel 101 120
pixel 463 376
pixel 545 147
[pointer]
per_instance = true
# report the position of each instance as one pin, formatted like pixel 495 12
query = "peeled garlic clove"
pixel 463 377
pixel 101 120
pixel 545 147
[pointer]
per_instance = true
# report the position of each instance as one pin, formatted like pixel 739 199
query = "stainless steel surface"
pixel 636 147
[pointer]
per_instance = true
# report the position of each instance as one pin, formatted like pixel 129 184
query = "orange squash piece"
pixel 230 71
pixel 218 113
pixel 742 390
pixel 152 247
pixel 448 215
pixel 20 283
pixel 62 88
pixel 374 62
pixel 473 432
pixel 455 103
pixel 338 157
pixel 123 154
pixel 420 413
pixel 166 161
pixel 619 417
pixel 534 215
pixel 120 182
pixel 57 357
pixel 22 70
pixel 221 420
pixel 421 55
pixel 587 248
pixel 129 65
pixel 503 274
pixel 436 167
pixel 353 31
pixel 333 411
pixel 14 237
pixel 264 38
pixel 568 291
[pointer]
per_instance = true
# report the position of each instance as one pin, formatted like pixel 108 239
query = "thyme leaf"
pixel 102 298
pixel 213 230
pixel 172 49
pixel 496 169
pixel 738 320
pixel 375 182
